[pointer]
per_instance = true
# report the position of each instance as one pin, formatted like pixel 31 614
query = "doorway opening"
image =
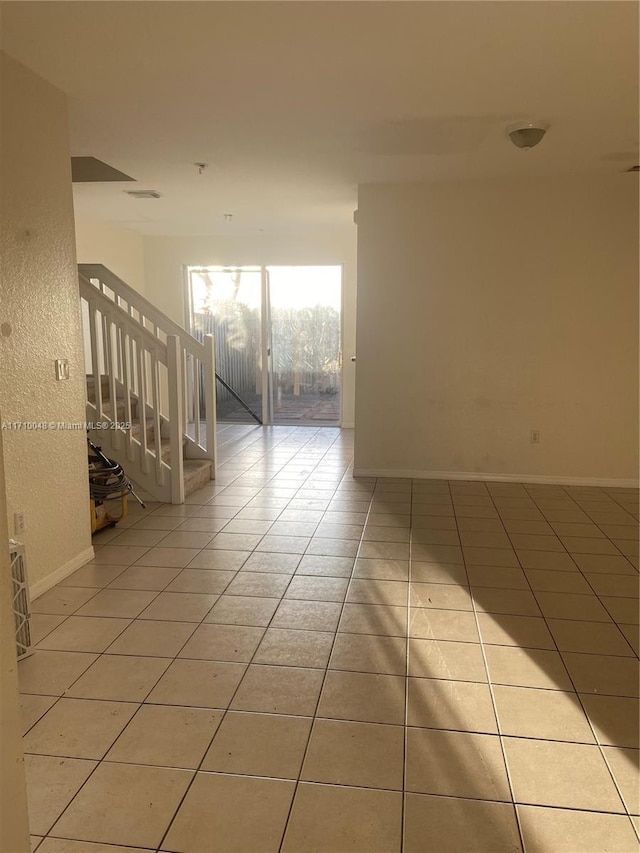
pixel 277 332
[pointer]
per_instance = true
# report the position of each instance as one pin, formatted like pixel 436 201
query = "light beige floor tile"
pixel 364 697
pixel 623 586
pixel 93 576
pixel 312 588
pixel 504 630
pixel 284 564
pixel 223 642
pixel 124 804
pixel 78 728
pixel 144 578
pixel 219 560
pixel 242 610
pixel 589 637
pixel 624 764
pixel 152 639
pixel 198 683
pixel 200 525
pixel 540 528
pixel 435 536
pixel 433 624
pixel 497 577
pixel 386 551
pixel 445 573
pixel 362 754
pixel 457 764
pixel 588 545
pixel 453 825
pixel 201 581
pixel 604 564
pixel 62 600
pixel 623 610
pixel 123 555
pixel 332 547
pixel 138 536
pixel 378 592
pixel 565 775
pixel 52 783
pixel 42 624
pixel 175 557
pixel 374 619
pixel 157 522
pixel 531 542
pixel 369 653
pixel 458 705
pixel 567 831
pixel 550 581
pixel 179 607
pixel 545 714
pixel 288 647
pixel 84 634
pixel 511 602
pixel 122 603
pixel 440 595
pixel 546 560
pixel 485 539
pixel 632 635
pixel 490 557
pixel 603 674
pixel 259 745
pixel 279 690
pixel 446 659
pixel 338 567
pixel 518 667
pixel 559 605
pixel 328 819
pixel 615 719
pixel 59 845
pixel 386 533
pixel 261 584
pixel 389 570
pixel 166 736
pixel 197 824
pixel 282 544
pixel 51 673
pixel 33 707
pixel 122 678
pixel 186 539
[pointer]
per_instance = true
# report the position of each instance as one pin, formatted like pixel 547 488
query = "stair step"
pixel 197 473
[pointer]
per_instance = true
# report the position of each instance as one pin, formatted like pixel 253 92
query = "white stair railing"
pixel 143 369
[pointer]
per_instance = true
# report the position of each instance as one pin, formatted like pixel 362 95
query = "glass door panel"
pixel 305 309
pixel 226 302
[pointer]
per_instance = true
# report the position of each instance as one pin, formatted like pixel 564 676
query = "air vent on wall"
pixel 143 193
pixel 89 169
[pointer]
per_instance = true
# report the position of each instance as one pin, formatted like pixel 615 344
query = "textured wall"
pixel 489 309
pixel 45 471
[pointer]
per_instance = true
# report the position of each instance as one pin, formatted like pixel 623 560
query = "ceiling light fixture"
pixel 200 167
pixel 527 134
pixel 227 217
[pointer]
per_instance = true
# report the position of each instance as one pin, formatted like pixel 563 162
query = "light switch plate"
pixel 62 368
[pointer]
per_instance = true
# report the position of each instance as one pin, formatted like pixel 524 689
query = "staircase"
pixel 152 387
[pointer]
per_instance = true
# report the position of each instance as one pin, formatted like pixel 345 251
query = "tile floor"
pixel 298 661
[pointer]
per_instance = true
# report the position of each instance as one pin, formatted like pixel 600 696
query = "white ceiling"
pixel 293 104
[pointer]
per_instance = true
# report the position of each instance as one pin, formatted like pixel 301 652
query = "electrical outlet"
pixel 18 522
pixel 535 436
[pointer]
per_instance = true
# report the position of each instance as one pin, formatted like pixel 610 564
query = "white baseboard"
pixel 497 478
pixel 347 425
pixel 42 586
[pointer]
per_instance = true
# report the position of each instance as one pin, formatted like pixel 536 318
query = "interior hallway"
pixel 294 660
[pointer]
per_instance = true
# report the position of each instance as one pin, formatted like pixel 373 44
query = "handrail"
pixel 142 306
pixel 148 361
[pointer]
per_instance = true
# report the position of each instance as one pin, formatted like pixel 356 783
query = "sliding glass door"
pixel 277 336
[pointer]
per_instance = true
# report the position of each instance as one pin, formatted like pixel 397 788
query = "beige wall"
pixel 45 471
pixel 166 257
pixel 490 309
pixel 119 250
